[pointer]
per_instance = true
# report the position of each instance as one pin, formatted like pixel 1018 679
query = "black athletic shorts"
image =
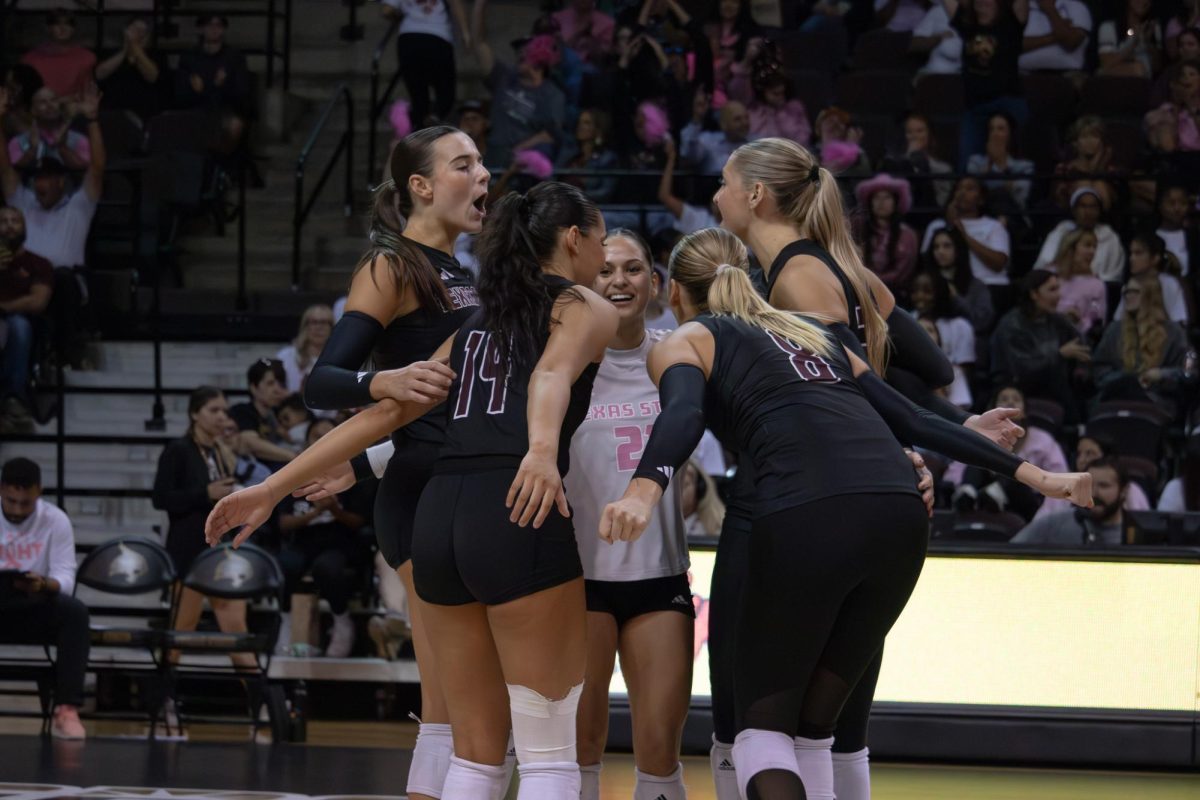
pixel 625 600
pixel 397 496
pixel 466 551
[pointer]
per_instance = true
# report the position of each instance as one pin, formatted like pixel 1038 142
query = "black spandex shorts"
pixel 466 551
pixel 396 499
pixel 625 600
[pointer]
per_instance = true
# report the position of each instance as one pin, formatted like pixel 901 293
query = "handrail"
pixel 378 103
pixel 303 208
pixel 162 12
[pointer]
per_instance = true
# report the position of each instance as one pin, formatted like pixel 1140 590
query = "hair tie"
pixel 814 174
pixel 723 267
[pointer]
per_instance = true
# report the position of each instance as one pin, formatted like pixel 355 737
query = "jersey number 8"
pixel 481 361
pixel 809 366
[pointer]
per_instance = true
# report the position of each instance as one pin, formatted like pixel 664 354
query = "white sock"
pixel 720 759
pixel 430 759
pixel 510 766
pixel 589 776
pixel 471 781
pixel 852 775
pixel 756 750
pixel 815 762
pixel 654 787
pixel 548 780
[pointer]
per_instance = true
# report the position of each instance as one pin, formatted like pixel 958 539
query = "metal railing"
pixel 378 102
pixel 345 146
pixel 163 15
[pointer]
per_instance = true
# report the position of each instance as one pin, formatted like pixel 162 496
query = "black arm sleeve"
pixel 915 389
pixel 915 351
pixel 336 381
pixel 679 427
pixel 912 423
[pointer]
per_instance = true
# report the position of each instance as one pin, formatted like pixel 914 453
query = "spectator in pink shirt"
pixel 1083 298
pixel 585 30
pixel 775 111
pixel 50 136
pixel 65 67
pixel 889 246
pixel 1175 126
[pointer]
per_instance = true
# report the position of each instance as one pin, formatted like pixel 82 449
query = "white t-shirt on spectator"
pixel 958 343
pixel 908 16
pixel 1107 265
pixel 989 232
pixel 946 58
pixel 339 308
pixel 1172 498
pixel 60 234
pixel 424 17
pixel 44 543
pixel 291 367
pixel 1176 242
pixel 1055 57
pixel 695 218
pixel 1173 300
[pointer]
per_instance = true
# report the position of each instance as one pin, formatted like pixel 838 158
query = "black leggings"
pixel 724 611
pixel 427 62
pixel 830 579
pixel 56 619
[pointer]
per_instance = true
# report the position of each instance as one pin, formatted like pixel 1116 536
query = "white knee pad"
pixel 469 780
pixel 589 786
pixel 852 775
pixel 549 780
pixel 543 730
pixel 720 759
pixel 756 751
pixel 654 787
pixel 430 759
pixel 814 759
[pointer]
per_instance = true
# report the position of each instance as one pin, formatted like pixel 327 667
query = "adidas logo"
pixel 668 471
pixel 725 764
pixel 682 600
pixel 661 797
pixel 446 276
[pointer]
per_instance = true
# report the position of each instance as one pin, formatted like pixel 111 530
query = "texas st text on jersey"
pixel 623 410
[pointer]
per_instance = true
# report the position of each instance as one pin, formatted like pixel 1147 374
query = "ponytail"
pixel 393 205
pixel 807 195
pixel 712 264
pixel 517 243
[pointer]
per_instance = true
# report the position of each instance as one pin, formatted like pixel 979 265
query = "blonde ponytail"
pixel 807 194
pixel 712 264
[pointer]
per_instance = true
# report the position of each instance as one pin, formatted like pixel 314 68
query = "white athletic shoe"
pixel 341 639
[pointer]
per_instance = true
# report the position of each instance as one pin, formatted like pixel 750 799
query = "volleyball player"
pixel 407 295
pixel 774 199
pixel 839 533
pixel 639 603
pixel 507 601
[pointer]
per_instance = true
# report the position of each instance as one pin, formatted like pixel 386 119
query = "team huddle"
pixel 540 542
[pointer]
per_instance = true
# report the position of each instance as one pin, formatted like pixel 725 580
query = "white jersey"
pixel 604 454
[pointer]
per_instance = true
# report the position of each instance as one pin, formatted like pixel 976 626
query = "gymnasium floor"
pixel 371 758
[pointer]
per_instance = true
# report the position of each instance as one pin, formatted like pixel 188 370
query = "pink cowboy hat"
pixel 885 183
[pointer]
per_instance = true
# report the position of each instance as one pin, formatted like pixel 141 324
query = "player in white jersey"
pixel 638 599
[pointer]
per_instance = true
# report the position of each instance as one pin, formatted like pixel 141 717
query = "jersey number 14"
pixel 481 362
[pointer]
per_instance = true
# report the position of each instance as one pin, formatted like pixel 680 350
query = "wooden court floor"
pixel 890 781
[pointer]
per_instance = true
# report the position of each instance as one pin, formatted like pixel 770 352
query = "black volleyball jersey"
pixel 800 418
pixel 486 422
pixel 857 329
pixel 416 335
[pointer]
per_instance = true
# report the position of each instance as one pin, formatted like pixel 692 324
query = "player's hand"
pixel 625 520
pixel 535 491
pixel 327 484
pixel 924 479
pixel 1073 486
pixel 420 382
pixel 998 426
pixel 247 510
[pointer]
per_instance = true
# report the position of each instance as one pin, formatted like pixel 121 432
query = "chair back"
pixel 127 565
pixel 244 573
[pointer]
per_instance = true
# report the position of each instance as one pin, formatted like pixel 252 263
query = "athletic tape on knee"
pixel 655 787
pixel 471 779
pixel 814 759
pixel 756 751
pixel 852 775
pixel 543 729
pixel 430 759
pixel 589 782
pixel 720 760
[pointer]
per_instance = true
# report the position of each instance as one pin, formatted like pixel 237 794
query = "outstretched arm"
pixel 93 180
